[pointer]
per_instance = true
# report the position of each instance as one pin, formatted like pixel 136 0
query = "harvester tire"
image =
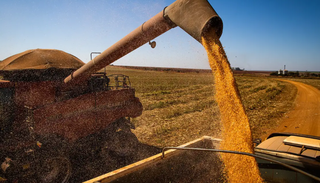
pixel 54 169
pixel 53 160
pixel 124 143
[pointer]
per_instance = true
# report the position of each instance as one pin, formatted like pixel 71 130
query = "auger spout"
pixel 196 17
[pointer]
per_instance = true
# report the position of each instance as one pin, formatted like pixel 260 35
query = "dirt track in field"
pixel 304 118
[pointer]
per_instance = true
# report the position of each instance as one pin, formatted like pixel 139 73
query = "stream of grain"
pixel 236 133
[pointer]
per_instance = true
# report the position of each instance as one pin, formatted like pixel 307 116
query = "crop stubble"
pixel 179 107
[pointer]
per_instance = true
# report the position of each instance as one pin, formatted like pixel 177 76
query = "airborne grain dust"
pixel 236 131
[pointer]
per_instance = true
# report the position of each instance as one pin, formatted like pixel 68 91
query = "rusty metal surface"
pixel 34 94
pixel 86 114
pixel 143 34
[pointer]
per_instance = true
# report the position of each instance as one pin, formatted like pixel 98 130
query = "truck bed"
pixel 176 166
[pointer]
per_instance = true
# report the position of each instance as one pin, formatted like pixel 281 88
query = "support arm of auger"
pixel 193 16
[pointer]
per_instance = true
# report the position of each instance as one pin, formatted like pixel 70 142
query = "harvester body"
pixel 43 121
pixel 47 108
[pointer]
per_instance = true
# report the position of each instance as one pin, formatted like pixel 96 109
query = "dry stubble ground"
pixel 180 107
pixel 313 82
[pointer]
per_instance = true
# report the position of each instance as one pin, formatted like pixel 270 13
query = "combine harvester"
pixel 51 100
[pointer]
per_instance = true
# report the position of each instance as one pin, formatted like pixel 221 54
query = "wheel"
pixel 55 169
pixel 122 144
pixel 53 164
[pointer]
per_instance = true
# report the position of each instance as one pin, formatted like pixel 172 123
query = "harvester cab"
pixel 100 82
pixel 118 81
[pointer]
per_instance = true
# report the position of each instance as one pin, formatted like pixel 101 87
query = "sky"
pixel 257 34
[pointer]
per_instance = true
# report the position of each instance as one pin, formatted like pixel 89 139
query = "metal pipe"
pixel 94 53
pixel 141 35
pixel 196 17
pixel 242 153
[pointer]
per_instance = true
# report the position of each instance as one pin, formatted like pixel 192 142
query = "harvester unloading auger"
pixel 196 17
pixel 51 100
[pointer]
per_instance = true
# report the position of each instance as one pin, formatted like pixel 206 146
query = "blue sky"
pixel 257 35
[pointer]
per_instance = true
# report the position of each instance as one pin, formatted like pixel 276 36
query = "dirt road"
pixel 305 116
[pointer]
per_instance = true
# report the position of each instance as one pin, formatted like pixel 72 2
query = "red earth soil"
pixel 304 118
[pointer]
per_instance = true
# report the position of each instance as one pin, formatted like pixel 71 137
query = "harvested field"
pixel 313 82
pixel 180 107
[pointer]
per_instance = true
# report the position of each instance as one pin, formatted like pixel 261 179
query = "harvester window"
pixel 99 82
pixel 118 81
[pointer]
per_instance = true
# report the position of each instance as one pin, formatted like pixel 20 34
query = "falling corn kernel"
pixel 236 131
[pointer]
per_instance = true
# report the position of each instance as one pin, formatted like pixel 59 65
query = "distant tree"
pixel 314 75
pixel 275 73
pixel 307 74
pixel 293 74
